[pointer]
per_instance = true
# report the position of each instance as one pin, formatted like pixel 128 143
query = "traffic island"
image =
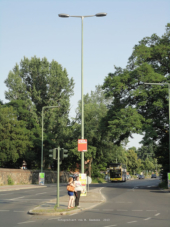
pixel 93 198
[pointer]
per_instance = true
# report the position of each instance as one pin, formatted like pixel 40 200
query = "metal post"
pixel 58 176
pixel 42 145
pixel 82 98
pixel 169 125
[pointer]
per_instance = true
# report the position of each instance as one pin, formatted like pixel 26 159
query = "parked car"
pixel 141 177
pixel 153 175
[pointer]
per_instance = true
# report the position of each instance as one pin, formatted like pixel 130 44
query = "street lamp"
pixel 44 107
pixel 169 111
pixel 82 98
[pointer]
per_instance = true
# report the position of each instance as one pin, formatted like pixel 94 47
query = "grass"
pixel 10 181
pixel 163 184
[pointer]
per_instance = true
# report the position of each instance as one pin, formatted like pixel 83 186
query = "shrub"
pixel 10 181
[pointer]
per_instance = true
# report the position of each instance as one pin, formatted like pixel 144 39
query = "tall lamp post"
pixel 169 112
pixel 44 107
pixel 82 98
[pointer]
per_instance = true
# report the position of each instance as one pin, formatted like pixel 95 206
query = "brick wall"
pixel 20 176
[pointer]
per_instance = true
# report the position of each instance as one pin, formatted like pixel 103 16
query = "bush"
pixel 10 181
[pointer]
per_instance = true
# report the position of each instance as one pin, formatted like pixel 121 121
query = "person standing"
pixel 71 192
pixel 78 189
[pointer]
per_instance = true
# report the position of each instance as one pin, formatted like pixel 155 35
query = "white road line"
pixel 151 210
pixel 107 209
pixel 41 193
pixel 110 225
pixel 146 219
pixel 131 222
pixel 7 194
pixel 17 198
pixel 148 186
pixel 137 210
pixel 25 222
pixel 3 210
pixel 121 210
pixel 18 211
pixel 157 214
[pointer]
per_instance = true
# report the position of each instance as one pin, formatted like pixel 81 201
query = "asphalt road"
pixel 134 203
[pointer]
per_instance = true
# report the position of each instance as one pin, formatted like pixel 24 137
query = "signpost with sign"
pixel 82 145
pixel 41 178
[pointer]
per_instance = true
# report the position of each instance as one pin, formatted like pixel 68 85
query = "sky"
pixel 32 28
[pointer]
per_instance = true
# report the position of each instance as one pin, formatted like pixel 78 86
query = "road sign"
pixel 82 145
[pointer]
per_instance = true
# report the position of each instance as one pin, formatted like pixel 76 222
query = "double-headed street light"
pixel 44 107
pixel 82 98
pixel 169 111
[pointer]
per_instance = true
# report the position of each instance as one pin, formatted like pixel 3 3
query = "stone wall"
pixel 20 176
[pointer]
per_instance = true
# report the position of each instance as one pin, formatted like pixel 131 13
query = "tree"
pixel 14 138
pixel 40 83
pixel 140 107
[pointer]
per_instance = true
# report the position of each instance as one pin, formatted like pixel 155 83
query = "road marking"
pixel 17 198
pixel 25 222
pixel 136 187
pixel 18 211
pixel 7 194
pixel 148 186
pixel 107 209
pixel 131 222
pixel 157 214
pixel 147 219
pixel 3 210
pixel 121 210
pixel 110 225
pixel 41 193
pixel 151 210
pixel 137 210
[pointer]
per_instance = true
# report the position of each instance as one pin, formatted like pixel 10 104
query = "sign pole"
pixel 58 175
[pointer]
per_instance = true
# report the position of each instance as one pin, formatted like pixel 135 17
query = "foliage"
pixel 14 138
pixel 10 181
pixel 32 85
pixel 140 107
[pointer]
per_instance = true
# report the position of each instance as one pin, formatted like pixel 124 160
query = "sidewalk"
pixel 94 197
pixel 18 187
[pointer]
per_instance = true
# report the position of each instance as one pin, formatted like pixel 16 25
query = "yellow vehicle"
pixel 117 172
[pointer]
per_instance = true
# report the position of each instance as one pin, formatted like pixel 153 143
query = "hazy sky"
pixel 32 27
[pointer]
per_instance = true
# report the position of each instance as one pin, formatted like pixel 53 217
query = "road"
pixel 134 203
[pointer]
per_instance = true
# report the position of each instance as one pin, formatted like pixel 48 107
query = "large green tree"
pixel 14 138
pixel 147 105
pixel 41 83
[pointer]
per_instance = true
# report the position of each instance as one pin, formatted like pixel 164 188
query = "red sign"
pixel 82 145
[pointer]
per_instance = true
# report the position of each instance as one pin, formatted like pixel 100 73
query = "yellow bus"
pixel 117 172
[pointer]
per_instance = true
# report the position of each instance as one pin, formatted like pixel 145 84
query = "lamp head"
pixel 63 15
pixel 100 14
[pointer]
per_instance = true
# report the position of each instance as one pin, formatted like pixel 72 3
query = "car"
pixel 153 175
pixel 141 177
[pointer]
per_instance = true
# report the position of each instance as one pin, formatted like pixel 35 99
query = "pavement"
pixel 93 198
pixel 19 187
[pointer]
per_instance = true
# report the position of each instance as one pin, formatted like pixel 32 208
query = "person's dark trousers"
pixel 77 194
